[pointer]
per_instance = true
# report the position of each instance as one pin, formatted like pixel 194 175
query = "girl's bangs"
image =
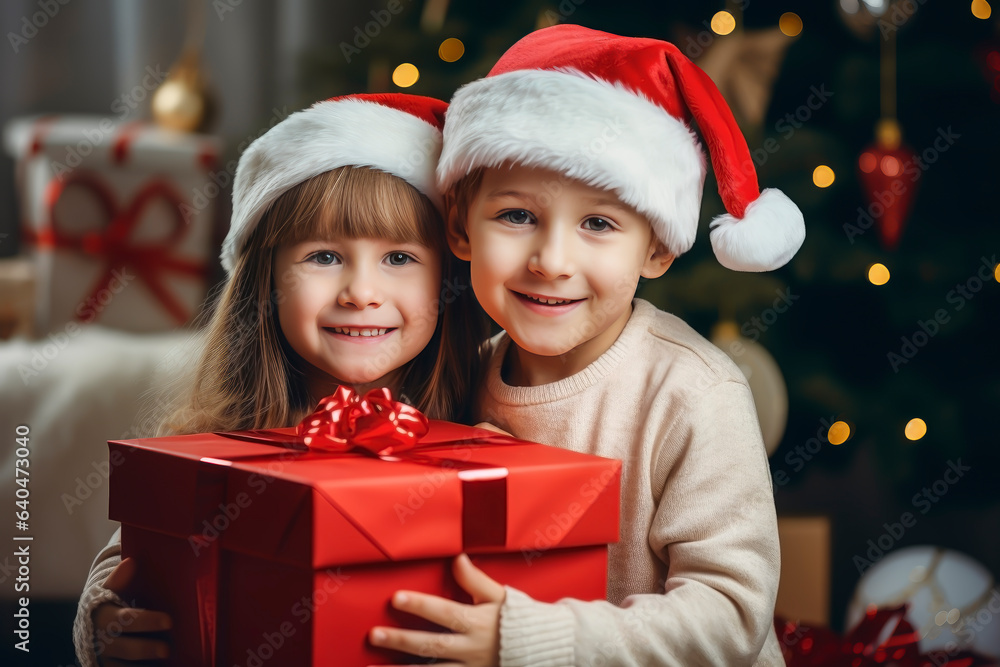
pixel 358 202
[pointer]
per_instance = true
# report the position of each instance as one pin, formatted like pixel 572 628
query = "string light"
pixel 723 23
pixel 890 165
pixel 867 162
pixel 839 433
pixel 981 9
pixel 823 176
pixel 915 429
pixel 451 49
pixel 790 24
pixel 878 274
pixel 405 75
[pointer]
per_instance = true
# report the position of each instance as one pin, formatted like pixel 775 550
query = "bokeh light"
pixel 790 24
pixel 405 75
pixel 723 23
pixel 823 176
pixel 451 49
pixel 981 9
pixel 878 274
pixel 867 162
pixel 915 429
pixel 839 433
pixel 890 166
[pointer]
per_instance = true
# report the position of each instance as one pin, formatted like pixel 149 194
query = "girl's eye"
pixel 597 225
pixel 399 258
pixel 323 258
pixel 516 217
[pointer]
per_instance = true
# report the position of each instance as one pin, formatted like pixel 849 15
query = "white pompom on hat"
pixel 396 133
pixel 613 113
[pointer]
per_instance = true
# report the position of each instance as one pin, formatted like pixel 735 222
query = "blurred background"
pixel 872 355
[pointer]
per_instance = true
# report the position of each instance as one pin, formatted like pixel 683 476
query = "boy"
pixel 572 173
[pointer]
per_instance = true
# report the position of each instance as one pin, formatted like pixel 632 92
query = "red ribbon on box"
pixel 150 261
pixel 347 424
pixel 882 637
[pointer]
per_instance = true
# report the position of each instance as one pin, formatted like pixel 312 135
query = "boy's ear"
pixel 658 260
pixel 458 234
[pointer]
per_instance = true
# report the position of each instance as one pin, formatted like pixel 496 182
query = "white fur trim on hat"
pixel 767 236
pixel 330 134
pixel 586 129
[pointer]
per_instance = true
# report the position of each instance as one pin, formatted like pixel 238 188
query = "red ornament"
pixel 883 638
pixel 889 174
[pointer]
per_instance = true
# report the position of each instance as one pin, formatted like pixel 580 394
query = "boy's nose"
pixel 361 291
pixel 552 258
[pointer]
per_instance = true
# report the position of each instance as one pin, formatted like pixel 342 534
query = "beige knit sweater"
pixel 694 578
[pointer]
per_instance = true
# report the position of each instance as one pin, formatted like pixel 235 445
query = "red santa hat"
pixel 396 133
pixel 613 112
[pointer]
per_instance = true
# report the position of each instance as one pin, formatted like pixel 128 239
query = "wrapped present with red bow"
pixel 883 638
pixel 118 217
pixel 285 546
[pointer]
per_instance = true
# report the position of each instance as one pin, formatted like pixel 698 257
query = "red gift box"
pixel 267 552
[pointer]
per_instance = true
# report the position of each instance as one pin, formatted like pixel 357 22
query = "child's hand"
pixel 490 427
pixel 474 640
pixel 118 631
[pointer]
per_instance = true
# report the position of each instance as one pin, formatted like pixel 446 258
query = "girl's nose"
pixel 362 290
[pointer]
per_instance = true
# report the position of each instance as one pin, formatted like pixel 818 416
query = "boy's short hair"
pixel 459 197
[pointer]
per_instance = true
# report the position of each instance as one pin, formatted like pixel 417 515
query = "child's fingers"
pixel 477 583
pixel 415 642
pixel 446 613
pixel 135 648
pixel 114 620
pixel 121 576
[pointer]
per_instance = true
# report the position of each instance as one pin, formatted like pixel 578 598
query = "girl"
pixel 336 256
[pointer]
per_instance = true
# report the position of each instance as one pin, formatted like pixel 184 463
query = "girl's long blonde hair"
pixel 248 377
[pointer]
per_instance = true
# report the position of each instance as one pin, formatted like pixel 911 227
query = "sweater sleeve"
pixel 94 595
pixel 714 526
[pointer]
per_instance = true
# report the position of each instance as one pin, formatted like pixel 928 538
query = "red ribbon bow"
pixel 374 424
pixel 149 261
pixel 882 637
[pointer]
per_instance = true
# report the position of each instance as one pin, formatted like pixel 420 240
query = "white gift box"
pixel 118 218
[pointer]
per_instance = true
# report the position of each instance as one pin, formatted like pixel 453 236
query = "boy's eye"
pixel 597 224
pixel 399 258
pixel 516 217
pixel 323 257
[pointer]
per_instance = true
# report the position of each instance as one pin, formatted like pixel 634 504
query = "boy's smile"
pixel 555 263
